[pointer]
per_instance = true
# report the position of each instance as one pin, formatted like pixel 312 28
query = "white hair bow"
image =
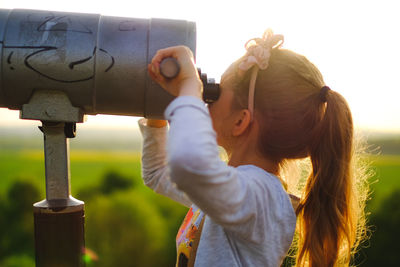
pixel 259 50
pixel 258 54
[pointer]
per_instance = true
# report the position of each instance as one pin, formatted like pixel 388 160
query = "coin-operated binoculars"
pixel 57 67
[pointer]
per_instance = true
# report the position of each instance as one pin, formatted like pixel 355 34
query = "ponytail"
pixel 328 211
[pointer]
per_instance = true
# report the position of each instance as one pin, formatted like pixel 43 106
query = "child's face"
pixel 221 113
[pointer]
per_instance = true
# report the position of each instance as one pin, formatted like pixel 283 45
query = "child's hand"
pixel 187 82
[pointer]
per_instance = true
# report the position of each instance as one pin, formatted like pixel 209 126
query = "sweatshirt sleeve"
pixel 154 164
pixel 196 167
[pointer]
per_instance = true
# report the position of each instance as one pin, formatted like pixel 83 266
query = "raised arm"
pixel 154 163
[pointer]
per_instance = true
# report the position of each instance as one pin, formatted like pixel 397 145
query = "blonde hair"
pixel 296 123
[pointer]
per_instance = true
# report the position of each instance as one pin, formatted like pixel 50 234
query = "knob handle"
pixel 169 67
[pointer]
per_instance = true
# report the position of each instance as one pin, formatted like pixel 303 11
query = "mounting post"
pixel 59 219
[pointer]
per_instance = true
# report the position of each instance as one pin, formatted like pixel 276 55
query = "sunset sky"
pixel 355 44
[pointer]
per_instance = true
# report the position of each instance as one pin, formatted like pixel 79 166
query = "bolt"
pixel 51 112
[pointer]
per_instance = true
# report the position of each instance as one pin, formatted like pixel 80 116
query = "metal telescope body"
pixel 98 62
pixel 58 66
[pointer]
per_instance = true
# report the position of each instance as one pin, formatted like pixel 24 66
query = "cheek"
pixel 212 108
pixel 215 119
pixel 221 125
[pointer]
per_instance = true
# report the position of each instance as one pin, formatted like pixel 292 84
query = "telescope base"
pixel 59 234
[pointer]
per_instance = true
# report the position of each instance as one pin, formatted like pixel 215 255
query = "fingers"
pixel 187 76
pixel 154 66
pixel 180 53
pixel 151 70
pixel 161 54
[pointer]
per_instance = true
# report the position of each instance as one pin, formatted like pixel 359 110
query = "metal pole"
pixel 59 219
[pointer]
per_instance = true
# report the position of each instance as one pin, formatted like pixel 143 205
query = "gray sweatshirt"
pixel 249 219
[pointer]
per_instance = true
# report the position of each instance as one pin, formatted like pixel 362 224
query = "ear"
pixel 242 122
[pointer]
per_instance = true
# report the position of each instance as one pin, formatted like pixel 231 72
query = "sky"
pixel 355 44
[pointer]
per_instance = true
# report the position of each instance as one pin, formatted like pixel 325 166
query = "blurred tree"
pixel 173 214
pixel 21 196
pixel 3 228
pixel 87 193
pixel 18 261
pixel 383 246
pixel 16 224
pixel 114 181
pixel 125 229
pixel 126 223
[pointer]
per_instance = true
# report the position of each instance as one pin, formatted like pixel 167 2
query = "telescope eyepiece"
pixel 211 90
pixel 170 68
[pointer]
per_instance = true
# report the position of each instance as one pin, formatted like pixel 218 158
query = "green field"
pixel 88 166
pixel 109 183
pixel 386 179
pixel 146 211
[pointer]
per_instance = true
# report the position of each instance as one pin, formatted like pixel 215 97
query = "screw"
pixel 51 112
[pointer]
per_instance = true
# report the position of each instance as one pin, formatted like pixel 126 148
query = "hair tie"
pixel 323 92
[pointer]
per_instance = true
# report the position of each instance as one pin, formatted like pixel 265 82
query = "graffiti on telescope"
pixel 127 25
pixel 9 60
pixel 63 23
pixel 112 60
pixel 47 60
pixel 72 64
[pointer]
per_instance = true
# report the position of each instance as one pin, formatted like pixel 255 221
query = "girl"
pixel 273 107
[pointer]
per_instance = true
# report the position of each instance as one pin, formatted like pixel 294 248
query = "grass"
pixel 386 178
pixel 87 167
